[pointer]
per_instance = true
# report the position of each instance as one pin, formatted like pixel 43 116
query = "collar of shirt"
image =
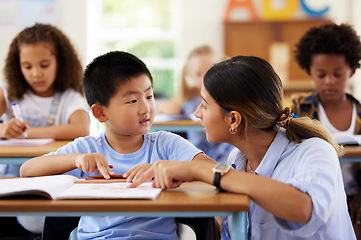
pixel 273 154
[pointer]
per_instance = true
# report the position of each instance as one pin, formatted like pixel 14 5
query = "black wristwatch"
pixel 219 170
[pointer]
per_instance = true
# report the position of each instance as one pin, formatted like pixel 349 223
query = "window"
pixel 146 28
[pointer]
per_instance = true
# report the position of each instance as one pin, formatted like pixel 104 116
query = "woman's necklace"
pixel 249 167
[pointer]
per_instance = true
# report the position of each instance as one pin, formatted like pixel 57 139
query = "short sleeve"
pixel 71 102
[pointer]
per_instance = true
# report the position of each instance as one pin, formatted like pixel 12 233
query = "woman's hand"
pixel 94 162
pixel 167 174
pixel 136 172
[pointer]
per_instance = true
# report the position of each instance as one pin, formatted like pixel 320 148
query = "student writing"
pixel 43 75
pixel 287 166
pixel 119 88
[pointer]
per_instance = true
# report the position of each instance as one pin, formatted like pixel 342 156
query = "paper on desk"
pixel 65 187
pixel 109 191
pixel 347 139
pixel 26 142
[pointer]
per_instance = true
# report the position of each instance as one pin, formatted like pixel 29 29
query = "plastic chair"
pixel 203 228
pixel 60 228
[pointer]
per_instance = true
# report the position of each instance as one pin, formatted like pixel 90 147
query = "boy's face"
pixel 330 73
pixel 131 110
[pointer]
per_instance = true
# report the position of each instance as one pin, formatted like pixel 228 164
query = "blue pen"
pixel 18 114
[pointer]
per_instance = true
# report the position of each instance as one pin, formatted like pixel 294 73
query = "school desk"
pixel 352 154
pixel 182 125
pixel 195 199
pixel 18 155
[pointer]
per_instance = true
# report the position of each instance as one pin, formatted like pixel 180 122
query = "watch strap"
pixel 217 181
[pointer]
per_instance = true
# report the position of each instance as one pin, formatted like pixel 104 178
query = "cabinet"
pixel 256 38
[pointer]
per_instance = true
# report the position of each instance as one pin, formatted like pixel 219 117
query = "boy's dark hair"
pixel 106 73
pixel 329 38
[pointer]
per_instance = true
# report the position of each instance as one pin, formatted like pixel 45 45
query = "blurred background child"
pixel 43 74
pixel 188 97
pixel 330 54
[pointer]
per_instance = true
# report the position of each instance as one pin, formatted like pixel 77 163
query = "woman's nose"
pixel 197 112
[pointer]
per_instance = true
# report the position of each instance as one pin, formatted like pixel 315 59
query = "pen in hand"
pixel 18 114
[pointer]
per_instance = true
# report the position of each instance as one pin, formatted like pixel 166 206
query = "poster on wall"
pixel 18 14
pixel 276 10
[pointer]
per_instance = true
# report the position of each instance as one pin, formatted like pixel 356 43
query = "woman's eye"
pixel 133 101
pixel 150 97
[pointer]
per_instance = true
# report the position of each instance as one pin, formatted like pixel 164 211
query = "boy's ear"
pixel 98 112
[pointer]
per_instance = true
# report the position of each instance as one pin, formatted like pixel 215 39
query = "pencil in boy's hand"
pixel 102 177
pixel 81 167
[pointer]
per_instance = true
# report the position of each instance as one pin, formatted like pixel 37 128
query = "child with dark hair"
pixel 119 88
pixel 330 54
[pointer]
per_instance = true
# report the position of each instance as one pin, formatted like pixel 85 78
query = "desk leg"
pixel 239 226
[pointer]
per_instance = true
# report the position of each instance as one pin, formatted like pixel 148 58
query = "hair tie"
pixel 285 118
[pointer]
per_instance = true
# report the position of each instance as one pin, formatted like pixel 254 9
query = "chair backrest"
pixel 203 228
pixel 59 228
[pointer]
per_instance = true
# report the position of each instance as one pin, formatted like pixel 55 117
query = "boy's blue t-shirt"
pixel 156 146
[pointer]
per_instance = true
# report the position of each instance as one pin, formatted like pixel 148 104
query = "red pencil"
pixel 102 177
pixel 81 167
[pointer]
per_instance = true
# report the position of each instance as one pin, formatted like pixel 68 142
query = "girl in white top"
pixel 43 75
pixel 41 64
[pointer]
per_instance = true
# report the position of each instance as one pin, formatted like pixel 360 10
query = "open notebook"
pixel 347 139
pixel 70 187
pixel 26 142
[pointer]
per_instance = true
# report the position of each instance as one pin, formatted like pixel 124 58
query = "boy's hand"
pixel 14 128
pixel 94 162
pixel 136 172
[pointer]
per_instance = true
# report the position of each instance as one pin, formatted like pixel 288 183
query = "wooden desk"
pixel 352 154
pixel 194 199
pixel 177 126
pixel 18 155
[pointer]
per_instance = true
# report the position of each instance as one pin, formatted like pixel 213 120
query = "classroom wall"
pixel 70 18
pixel 202 23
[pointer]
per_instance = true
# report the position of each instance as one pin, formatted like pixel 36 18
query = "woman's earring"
pixel 232 131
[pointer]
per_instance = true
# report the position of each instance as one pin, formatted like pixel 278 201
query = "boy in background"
pixel 330 54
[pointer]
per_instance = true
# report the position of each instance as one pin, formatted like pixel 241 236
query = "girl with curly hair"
pixel 330 54
pixel 43 74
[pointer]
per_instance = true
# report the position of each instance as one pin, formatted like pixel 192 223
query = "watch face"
pixel 222 167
